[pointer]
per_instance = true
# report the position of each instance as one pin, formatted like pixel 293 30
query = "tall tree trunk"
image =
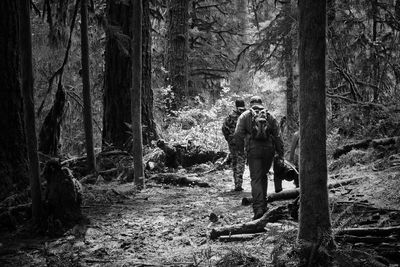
pixel 29 109
pixel 177 65
pixel 118 76
pixel 149 125
pixel 314 224
pixel 87 103
pixel 288 58
pixel 13 154
pixel 136 92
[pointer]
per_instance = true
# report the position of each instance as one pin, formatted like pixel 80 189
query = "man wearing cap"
pixel 260 149
pixel 238 159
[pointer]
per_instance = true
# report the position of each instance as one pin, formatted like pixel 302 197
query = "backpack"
pixel 260 128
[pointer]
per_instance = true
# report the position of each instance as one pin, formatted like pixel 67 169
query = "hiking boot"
pixel 258 214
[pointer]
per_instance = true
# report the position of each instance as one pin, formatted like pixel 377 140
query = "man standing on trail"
pixel 237 157
pixel 264 141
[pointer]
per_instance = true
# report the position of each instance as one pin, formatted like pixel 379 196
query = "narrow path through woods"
pixel 168 224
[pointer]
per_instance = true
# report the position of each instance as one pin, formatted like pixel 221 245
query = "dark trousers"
pixel 259 165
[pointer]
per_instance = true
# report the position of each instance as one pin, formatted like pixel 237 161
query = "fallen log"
pixel 364 144
pixel 359 208
pixel 233 238
pixel 98 156
pixel 176 179
pixel 294 193
pixel 187 155
pixel 382 231
pixel 385 141
pixel 252 227
pixel 366 239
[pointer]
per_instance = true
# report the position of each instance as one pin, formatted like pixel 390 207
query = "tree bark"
pixel 118 77
pixel 288 59
pixel 315 222
pixel 149 132
pixel 177 66
pixel 29 110
pixel 13 154
pixel 87 102
pixel 136 93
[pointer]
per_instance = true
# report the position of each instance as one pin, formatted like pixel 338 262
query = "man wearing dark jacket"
pixel 264 140
pixel 237 158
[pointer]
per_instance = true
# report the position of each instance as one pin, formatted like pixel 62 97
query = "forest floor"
pixel 166 225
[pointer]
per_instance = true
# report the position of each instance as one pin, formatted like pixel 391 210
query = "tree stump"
pixel 63 194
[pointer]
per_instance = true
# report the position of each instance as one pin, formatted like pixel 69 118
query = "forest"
pixel 131 133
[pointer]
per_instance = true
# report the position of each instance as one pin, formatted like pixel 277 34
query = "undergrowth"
pixel 201 125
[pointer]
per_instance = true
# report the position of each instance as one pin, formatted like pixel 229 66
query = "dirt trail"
pixel 160 226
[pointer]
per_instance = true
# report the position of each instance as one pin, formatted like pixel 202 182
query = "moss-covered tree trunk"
pixel 13 153
pixel 177 65
pixel 118 76
pixel 314 224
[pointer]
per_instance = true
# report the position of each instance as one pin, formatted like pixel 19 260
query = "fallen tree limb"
pixel 98 155
pixel 293 193
pixel 359 207
pixel 252 227
pixel 233 238
pixel 108 171
pixel 366 239
pixel 382 231
pixel 176 179
pixel 364 144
